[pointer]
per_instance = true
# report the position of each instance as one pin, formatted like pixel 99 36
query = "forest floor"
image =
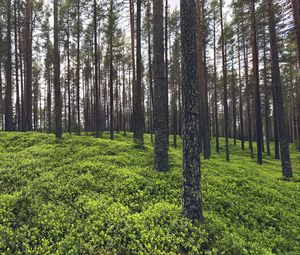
pixel 83 195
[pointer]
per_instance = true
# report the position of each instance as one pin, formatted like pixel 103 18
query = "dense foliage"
pixel 82 195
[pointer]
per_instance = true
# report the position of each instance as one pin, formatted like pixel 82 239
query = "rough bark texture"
pixel 192 202
pixel 160 92
pixel 276 82
pixel 57 93
pixel 259 134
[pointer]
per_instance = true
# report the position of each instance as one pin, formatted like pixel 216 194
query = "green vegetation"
pixel 83 195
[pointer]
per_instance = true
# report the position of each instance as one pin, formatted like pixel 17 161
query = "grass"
pixel 83 195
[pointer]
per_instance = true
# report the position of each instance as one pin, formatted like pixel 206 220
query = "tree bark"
pixel 192 200
pixel 57 105
pixel 224 65
pixel 9 125
pixel 259 134
pixel 276 83
pixel 160 91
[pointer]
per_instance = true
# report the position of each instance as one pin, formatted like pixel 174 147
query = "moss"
pixel 83 195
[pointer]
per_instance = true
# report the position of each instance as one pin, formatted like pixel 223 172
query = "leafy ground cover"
pixel 83 195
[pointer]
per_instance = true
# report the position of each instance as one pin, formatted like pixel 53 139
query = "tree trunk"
pixel 204 123
pixel 259 134
pixel 249 116
pixel 276 83
pixel 97 110
pixel 57 105
pixel 240 96
pixel 224 64
pixel 192 200
pixel 160 92
pixel 111 85
pixel 18 111
pixel 28 66
pixel 9 125
pixel 139 121
pixel 215 86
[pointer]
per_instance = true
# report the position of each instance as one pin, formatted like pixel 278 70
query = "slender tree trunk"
pixel 78 68
pixel 160 95
pixel 249 116
pixel 224 64
pixel 259 134
pixel 267 103
pixel 192 199
pixel 167 62
pixel 9 125
pixel 215 87
pixel 233 99
pixel 139 120
pixel 131 9
pixel 28 66
pixel 111 85
pixel 204 124
pixel 18 111
pixel 240 96
pixel 69 79
pixel 97 110
pixel 58 125
pixel 276 82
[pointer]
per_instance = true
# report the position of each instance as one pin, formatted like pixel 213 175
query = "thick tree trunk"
pixel 192 200
pixel 276 82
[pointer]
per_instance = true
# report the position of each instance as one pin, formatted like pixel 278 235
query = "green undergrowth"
pixel 82 195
